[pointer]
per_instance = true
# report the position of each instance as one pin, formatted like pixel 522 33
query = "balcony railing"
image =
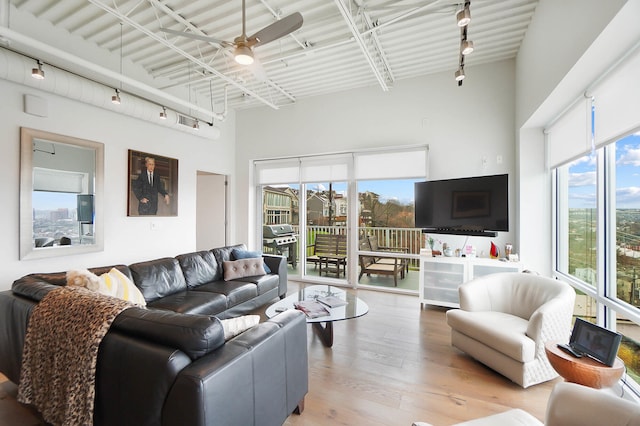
pixel 409 238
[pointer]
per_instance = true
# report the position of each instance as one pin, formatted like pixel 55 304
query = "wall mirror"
pixel 61 195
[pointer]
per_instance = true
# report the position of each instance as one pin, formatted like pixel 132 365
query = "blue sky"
pixel 582 177
pixel 54 200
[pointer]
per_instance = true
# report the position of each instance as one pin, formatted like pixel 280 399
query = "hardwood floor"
pixel 393 366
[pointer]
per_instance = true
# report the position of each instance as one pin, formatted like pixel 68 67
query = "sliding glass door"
pixel 333 205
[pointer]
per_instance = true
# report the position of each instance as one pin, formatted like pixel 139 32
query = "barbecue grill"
pixel 280 239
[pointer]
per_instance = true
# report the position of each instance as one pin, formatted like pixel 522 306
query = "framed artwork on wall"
pixel 153 185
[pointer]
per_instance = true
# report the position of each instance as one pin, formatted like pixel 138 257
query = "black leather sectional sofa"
pixel 168 364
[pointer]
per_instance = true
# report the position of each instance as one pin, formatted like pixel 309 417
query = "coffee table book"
pixel 332 301
pixel 311 308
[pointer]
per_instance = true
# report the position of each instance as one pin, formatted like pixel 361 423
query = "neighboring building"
pixel 278 205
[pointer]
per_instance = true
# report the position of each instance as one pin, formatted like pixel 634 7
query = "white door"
pixel 211 206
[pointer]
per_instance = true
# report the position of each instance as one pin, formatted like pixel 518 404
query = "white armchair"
pixel 569 405
pixel 505 319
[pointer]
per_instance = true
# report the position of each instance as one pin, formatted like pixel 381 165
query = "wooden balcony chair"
pixel 329 245
pixel 371 265
pixel 373 246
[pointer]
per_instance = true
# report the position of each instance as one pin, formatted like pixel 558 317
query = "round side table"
pixel 585 371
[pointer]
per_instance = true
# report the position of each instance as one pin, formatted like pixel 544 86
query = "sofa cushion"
pixel 503 332
pixel 236 292
pixel 264 282
pixel 248 254
pixel 251 267
pixel 192 302
pixel 158 278
pixel 199 268
pixel 223 254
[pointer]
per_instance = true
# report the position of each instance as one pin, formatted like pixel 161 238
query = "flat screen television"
pixel 466 206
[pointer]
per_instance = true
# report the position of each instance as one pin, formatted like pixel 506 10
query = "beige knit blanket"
pixel 60 352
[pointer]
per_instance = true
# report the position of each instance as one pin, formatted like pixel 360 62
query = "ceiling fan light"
pixel 460 74
pixel 466 47
pixel 463 17
pixel 243 55
pixel 38 73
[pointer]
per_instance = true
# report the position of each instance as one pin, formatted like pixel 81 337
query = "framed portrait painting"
pixel 153 185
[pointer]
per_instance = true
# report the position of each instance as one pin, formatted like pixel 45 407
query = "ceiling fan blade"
pixel 277 30
pixel 197 37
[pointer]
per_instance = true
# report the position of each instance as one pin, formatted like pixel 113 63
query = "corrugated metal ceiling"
pixel 405 39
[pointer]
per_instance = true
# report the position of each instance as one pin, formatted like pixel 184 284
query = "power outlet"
pixel 155 226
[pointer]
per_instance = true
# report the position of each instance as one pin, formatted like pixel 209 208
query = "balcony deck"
pixel 409 282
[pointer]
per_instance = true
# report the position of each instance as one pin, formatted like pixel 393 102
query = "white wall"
pixel 460 124
pixel 127 239
pixel 555 65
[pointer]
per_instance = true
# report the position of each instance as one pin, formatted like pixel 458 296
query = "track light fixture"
pixel 116 98
pixel 466 47
pixel 463 17
pixel 163 113
pixel 196 125
pixel 38 73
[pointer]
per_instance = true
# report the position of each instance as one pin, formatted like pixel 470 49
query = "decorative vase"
pixel 494 252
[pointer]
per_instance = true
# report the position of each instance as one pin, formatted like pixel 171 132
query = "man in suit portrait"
pixel 147 187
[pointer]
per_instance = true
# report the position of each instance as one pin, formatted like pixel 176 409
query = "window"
pixel 577 225
pixel 598 239
pixel 597 203
pixel 627 219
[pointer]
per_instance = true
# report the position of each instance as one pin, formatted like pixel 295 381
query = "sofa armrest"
pixel 571 404
pixel 195 335
pixel 278 265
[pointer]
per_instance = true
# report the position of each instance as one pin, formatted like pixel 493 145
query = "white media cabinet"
pixel 441 276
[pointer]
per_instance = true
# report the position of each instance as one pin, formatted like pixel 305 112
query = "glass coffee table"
pixel 323 325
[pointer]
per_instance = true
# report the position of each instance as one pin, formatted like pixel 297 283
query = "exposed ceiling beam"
pixel 346 14
pixel 176 49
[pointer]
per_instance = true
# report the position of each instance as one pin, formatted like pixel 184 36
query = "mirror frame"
pixel 27 250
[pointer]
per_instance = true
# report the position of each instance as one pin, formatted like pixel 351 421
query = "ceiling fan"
pixel 243 45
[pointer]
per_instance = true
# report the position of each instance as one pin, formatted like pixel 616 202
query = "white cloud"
pixel 582 179
pixel 629 196
pixel 631 157
pixel 589 159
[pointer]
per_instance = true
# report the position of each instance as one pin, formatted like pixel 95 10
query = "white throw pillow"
pixel 234 326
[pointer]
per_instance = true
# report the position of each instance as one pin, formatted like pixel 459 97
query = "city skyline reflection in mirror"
pixel 61 184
